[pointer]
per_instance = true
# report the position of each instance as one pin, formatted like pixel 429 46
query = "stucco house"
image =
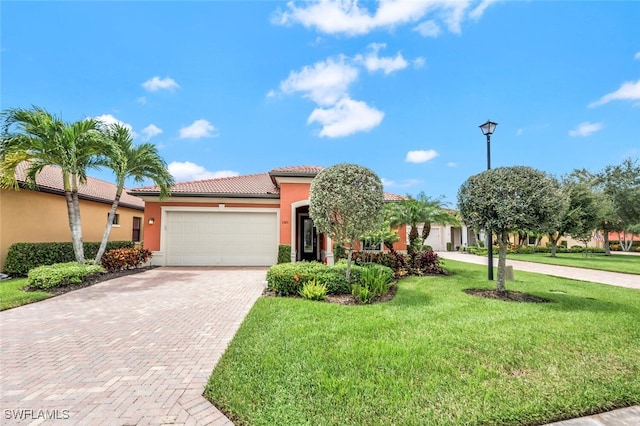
pixel 241 221
pixel 29 216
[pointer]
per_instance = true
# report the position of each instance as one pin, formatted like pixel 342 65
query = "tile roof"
pixel 257 185
pixel 50 180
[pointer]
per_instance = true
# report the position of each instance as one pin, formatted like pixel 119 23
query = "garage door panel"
pixel 221 238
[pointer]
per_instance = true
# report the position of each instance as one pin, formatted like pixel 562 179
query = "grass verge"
pixel 435 355
pixel 615 263
pixel 12 295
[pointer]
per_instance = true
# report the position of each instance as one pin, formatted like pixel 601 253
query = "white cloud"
pixel 585 129
pixel 349 17
pixel 637 56
pixel 109 119
pixel 142 100
pixel 187 171
pixel 628 91
pixel 428 29
pixel 478 11
pixel 420 156
pixel 452 164
pixel 271 94
pixel 198 129
pixel 157 83
pixel 345 118
pixel 419 62
pixel 324 82
pixel 150 131
pixel 373 62
pixel 405 184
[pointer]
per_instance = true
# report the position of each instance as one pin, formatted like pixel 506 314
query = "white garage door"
pixel 434 239
pixel 221 238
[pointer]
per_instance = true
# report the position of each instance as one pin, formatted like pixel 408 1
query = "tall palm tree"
pixel 129 161
pixel 415 211
pixel 41 139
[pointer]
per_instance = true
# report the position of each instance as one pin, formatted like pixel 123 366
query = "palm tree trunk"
pixel 73 212
pixel 107 228
pixel 426 230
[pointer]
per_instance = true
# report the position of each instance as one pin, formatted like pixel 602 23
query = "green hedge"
pixel 59 274
pixel 22 257
pixel 284 253
pixel 289 278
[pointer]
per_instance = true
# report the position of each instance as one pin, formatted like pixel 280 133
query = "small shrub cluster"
pixel 125 258
pixel 288 279
pixel 375 281
pixel 59 274
pixel 22 257
pixel 312 290
pixel 418 263
pixel 284 253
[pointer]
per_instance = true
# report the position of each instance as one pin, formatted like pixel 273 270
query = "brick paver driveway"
pixel 131 351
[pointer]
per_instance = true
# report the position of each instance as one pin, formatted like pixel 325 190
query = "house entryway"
pixel 307 241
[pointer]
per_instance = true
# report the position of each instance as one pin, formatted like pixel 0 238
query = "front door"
pixel 308 241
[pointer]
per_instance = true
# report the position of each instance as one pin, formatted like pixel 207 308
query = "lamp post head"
pixel 488 128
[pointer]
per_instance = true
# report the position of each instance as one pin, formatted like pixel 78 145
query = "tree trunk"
pixel 605 242
pixel 426 230
pixel 624 243
pixel 413 236
pixel 107 228
pixel 554 244
pixel 502 261
pixel 73 212
pixel 349 255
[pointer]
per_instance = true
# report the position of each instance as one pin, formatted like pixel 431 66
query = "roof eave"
pixel 203 194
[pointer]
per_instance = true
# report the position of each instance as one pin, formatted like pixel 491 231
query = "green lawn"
pixel 615 263
pixel 435 355
pixel 12 295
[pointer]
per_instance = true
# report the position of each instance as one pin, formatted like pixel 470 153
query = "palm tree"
pixel 129 161
pixel 415 211
pixel 41 139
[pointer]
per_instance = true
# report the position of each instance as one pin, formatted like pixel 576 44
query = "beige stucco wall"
pixel 31 216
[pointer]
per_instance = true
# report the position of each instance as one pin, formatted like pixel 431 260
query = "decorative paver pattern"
pixel 135 350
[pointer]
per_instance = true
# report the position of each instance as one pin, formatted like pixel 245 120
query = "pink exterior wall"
pixel 290 193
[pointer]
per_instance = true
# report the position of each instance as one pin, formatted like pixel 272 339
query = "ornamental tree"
pixel 510 199
pixel 345 202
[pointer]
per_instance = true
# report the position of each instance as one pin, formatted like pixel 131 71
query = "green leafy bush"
pixel 284 253
pixel 59 274
pixel 376 279
pixel 22 257
pixel 125 258
pixel 312 290
pixel 361 293
pixel 287 279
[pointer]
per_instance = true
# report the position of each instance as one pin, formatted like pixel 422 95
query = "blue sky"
pixel 226 88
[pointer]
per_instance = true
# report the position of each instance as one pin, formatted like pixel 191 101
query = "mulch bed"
pixel 94 279
pixel 508 295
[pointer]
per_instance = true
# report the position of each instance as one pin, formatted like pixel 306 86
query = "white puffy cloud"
pixel 150 131
pixel 452 164
pixel 324 82
pixel 428 28
pixel 628 91
pixel 420 156
pixel 157 83
pixel 346 117
pixel 637 56
pixel 373 62
pixel 349 17
pixel 585 129
pixel 187 171
pixel 418 62
pixel 109 119
pixel 478 11
pixel 198 129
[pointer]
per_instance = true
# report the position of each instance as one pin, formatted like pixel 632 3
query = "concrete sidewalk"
pixel 603 277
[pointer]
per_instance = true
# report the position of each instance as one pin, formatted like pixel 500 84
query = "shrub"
pixel 284 253
pixel 377 279
pixel 125 258
pixel 22 257
pixel 425 263
pixel 288 278
pixel 361 293
pixel 312 290
pixel 59 274
pixel 449 245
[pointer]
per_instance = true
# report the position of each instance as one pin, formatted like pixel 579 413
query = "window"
pixel 532 240
pixel 116 219
pixel 368 245
pixel 135 235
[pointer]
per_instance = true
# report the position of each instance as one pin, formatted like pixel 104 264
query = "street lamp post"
pixel 487 130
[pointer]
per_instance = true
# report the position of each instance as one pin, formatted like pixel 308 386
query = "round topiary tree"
pixel 345 202
pixel 510 199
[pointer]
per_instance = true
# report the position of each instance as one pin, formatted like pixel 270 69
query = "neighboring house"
pixel 238 221
pixel 41 215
